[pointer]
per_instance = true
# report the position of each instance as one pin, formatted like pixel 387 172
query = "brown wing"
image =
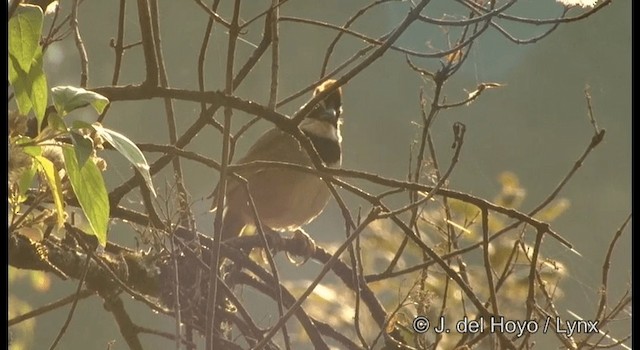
pixel 273 145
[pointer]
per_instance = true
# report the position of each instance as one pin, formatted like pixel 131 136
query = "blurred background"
pixel 535 126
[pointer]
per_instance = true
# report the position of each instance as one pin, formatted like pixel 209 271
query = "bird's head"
pixel 330 108
pixel 323 121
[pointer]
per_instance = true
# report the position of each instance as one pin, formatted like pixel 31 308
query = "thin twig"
pixel 375 55
pixel 118 48
pixel 275 54
pixel 213 14
pixel 84 61
pixel 325 269
pixel 486 252
pixel 270 260
pixel 347 24
pixel 85 293
pixel 604 284
pixel 67 321
pixel 212 293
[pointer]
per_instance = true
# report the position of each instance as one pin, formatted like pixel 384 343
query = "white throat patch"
pixel 321 129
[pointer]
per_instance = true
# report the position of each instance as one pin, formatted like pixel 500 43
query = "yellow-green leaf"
pixel 53 179
pixel 88 185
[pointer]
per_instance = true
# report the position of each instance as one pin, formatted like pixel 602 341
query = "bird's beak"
pixel 328 114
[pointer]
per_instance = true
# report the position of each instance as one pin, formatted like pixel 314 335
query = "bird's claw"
pixel 305 247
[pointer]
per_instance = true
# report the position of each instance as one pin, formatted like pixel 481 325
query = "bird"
pixel 286 199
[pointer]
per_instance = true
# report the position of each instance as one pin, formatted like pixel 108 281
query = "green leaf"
pixel 56 123
pixel 69 98
pixel 30 87
pixel 19 80
pixel 83 147
pixel 25 60
pixel 26 179
pixel 129 150
pixel 88 185
pixel 55 127
pixel 53 179
pixel 32 150
pixel 39 91
pixel 25 28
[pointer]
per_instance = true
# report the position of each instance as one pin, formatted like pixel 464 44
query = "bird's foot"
pixel 304 246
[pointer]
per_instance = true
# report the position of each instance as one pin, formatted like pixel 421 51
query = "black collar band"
pixel 328 149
